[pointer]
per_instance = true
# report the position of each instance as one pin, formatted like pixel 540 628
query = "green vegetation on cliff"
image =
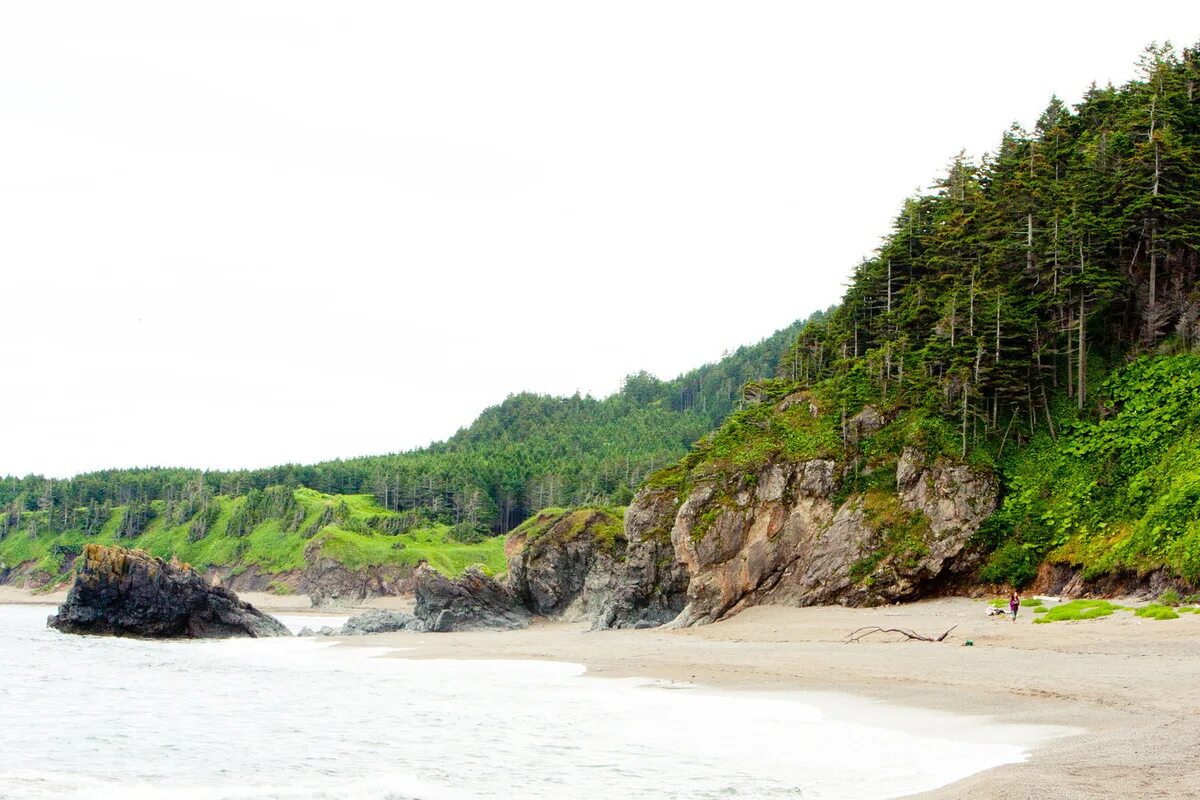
pixel 277 530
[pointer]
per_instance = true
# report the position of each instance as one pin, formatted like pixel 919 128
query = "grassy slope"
pixel 269 546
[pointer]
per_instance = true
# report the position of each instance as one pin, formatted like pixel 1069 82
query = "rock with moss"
pixel 552 555
pixel 473 601
pixel 119 592
pixel 790 533
pixel 648 585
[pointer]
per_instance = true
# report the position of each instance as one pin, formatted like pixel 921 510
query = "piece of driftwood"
pixel 861 633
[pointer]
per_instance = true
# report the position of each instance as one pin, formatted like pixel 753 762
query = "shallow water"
pixel 100 717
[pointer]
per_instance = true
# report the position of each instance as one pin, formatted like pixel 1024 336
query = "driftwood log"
pixel 861 633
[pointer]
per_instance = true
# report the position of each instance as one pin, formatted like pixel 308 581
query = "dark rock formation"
pixel 471 602
pixel 380 621
pixel 121 592
pixel 589 564
pixel 331 584
pixel 648 585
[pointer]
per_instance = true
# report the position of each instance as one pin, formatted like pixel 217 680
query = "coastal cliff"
pixel 789 532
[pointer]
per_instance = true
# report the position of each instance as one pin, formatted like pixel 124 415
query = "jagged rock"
pixel 649 586
pixel 331 584
pixel 864 423
pixel 380 621
pixel 550 563
pixel 471 602
pixel 790 541
pixel 121 592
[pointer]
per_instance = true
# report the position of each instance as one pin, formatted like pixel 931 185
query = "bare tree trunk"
pixel 1082 382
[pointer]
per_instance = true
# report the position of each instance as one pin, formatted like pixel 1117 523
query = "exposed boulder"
pixel 324 630
pixel 864 423
pixel 471 602
pixel 121 592
pixel 378 620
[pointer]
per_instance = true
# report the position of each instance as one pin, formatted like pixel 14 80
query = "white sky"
pixel 245 233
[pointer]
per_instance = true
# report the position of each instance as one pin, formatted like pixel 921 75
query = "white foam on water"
pixel 298 718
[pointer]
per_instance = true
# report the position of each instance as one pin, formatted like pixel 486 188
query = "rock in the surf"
pixel 120 592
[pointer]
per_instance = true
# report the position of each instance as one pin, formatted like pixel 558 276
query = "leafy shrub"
pixel 1011 564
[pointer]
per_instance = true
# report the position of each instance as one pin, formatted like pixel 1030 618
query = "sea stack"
pixel 119 592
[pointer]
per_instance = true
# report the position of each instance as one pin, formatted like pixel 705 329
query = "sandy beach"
pixel 1130 686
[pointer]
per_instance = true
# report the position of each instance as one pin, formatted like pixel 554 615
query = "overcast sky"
pixel 239 234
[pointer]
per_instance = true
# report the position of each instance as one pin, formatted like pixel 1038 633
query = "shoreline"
pixel 1129 687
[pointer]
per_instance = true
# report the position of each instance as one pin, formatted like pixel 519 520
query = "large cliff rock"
pixel 121 592
pixel 783 535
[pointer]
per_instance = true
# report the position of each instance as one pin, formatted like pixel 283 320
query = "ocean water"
pixel 95 717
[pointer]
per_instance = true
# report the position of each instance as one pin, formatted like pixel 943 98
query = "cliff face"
pixel 584 565
pixel 785 536
pixel 789 533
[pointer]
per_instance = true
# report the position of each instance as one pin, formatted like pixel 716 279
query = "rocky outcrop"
pixel 380 621
pixel 121 592
pixel 331 584
pixel 784 536
pixel 550 559
pixel 1070 581
pixel 470 602
pixel 647 585
pixel 324 630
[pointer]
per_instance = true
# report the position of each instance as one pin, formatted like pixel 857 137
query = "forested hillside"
pixel 1035 314
pixel 528 453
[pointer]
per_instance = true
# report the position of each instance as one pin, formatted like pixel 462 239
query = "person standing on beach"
pixel 1014 604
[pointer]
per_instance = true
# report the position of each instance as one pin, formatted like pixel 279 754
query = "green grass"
pixel 1156 611
pixel 1079 609
pixel 271 546
pixel 606 524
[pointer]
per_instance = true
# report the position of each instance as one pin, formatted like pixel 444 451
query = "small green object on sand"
pixel 968 643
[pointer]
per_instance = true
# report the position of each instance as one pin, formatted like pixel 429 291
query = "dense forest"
pixel 528 453
pixel 1036 313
